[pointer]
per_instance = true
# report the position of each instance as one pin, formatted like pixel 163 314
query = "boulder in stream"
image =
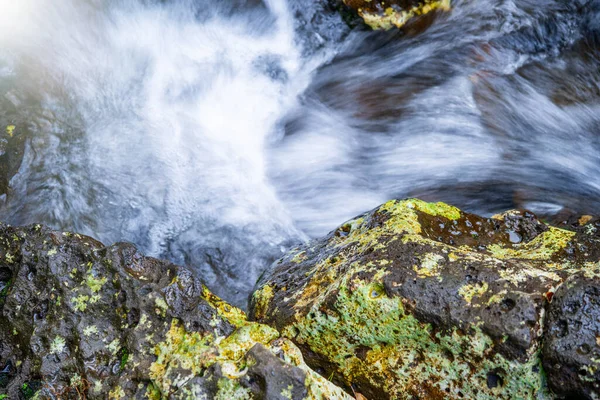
pixel 417 300
pixel 79 320
pixel 380 14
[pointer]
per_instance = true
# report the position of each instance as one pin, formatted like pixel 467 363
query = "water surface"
pixel 219 133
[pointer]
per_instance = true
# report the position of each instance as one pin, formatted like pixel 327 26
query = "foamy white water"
pixel 167 115
pixel 218 133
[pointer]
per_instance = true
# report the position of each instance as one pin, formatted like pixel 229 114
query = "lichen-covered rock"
pixel 571 350
pixel 81 320
pixel 379 14
pixel 421 300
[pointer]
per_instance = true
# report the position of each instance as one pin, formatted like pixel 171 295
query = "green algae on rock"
pixel 79 320
pixel 421 300
pixel 380 14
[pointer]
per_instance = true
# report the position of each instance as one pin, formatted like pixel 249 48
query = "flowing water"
pixel 219 133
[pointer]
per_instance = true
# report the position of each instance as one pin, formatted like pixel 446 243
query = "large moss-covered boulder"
pixel 79 320
pixel 420 300
pixel 387 14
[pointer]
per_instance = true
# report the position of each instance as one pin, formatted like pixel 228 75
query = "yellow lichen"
pixel 225 310
pixel 10 130
pixel 235 346
pixel 469 292
pixel 194 352
pixel 429 265
pixel 80 302
pixel 390 17
pixel 542 247
pixel 95 284
pixel 181 350
pixel 116 394
pixel 262 298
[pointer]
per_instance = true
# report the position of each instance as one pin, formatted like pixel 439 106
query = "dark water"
pixel 219 133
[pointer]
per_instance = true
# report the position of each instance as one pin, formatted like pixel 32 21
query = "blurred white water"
pixel 218 133
pixel 157 118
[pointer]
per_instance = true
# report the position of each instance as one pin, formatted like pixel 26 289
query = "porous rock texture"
pixel 387 14
pixel 417 300
pixel 79 320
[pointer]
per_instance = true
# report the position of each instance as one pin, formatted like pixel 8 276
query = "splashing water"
pixel 218 133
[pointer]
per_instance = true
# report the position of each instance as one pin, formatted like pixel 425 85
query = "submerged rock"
pixel 12 148
pixel 81 320
pixel 380 14
pixel 421 300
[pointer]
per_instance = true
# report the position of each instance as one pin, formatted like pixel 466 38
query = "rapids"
pixel 220 133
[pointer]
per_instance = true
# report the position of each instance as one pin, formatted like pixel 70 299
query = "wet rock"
pixel 421 300
pixel 380 14
pixel 571 350
pixel 320 24
pixel 82 320
pixel 12 148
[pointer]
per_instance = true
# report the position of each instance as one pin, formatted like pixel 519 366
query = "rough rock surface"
pixel 380 14
pixel 420 300
pixel 79 320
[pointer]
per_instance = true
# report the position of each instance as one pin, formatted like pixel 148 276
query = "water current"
pixel 217 133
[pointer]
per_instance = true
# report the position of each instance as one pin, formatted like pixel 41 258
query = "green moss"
pixel 374 338
pixel 124 357
pixel 194 352
pixel 28 391
pixel 152 392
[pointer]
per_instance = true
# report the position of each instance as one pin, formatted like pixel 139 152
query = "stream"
pixel 219 134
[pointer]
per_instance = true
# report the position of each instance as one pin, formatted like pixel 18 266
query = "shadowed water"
pixel 217 134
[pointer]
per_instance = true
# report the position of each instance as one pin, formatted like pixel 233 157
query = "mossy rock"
pixel 79 320
pixel 421 300
pixel 388 14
